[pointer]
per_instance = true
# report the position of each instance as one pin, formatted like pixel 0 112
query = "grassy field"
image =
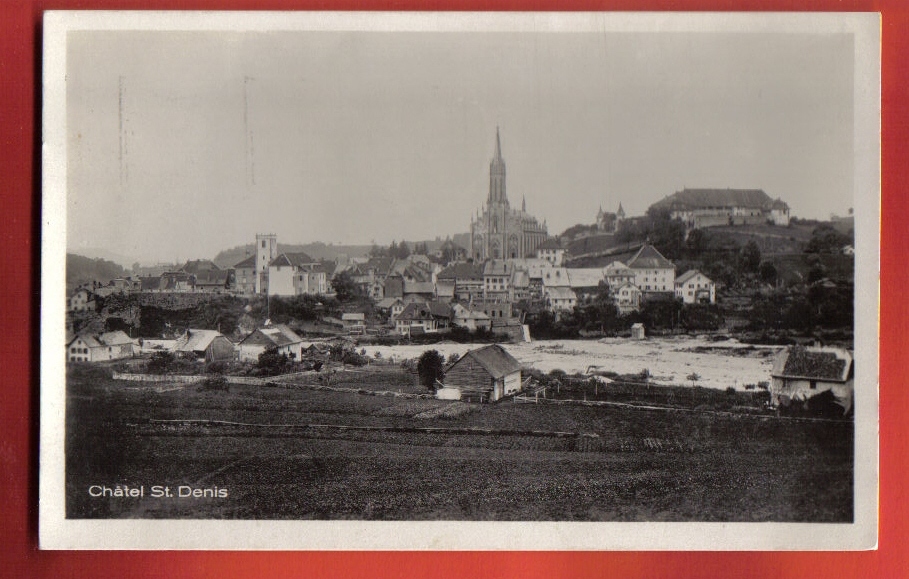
pixel 287 456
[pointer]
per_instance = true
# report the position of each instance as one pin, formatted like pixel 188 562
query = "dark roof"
pixel 296 259
pixel 440 309
pixel 703 198
pixel 199 265
pixel 219 278
pixel 416 311
pixel 248 263
pixel 496 267
pixel 495 360
pixel 801 362
pixel 329 266
pixel 462 271
pixel 649 258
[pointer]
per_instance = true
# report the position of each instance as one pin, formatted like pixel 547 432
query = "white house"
pixel 693 287
pixel 652 271
pixel 470 319
pixel 552 251
pixel 627 298
pixel 99 348
pixel 560 299
pixel 293 274
pixel 278 336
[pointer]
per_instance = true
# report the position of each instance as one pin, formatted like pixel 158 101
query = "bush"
pixel 215 382
pixel 453 357
pixel 430 368
pixel 219 367
pixel 160 362
pixel 730 390
pixel 271 363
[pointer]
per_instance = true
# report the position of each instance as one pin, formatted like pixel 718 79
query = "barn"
pixel 483 375
pixel 207 345
pixel 278 336
pixel 801 374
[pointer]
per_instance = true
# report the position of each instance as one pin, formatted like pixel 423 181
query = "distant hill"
pixel 319 250
pixel 81 269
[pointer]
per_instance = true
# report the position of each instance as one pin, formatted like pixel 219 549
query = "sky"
pixel 181 144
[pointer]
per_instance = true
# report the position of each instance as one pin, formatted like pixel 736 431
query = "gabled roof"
pixel 496 267
pixel 462 271
pixel 649 258
pixel 419 287
pixel 281 335
pixel 440 309
pixel 688 275
pixel 561 293
pixel 585 277
pixel 219 277
pixel 117 338
pixel 353 317
pixel 551 243
pixel 830 364
pixel 195 340
pixel 520 279
pixel 461 311
pixel 248 263
pixel 387 303
pixel 779 204
pixel 296 259
pixel 617 268
pixel 199 265
pixel 416 312
pixel 494 359
pixel 704 198
pixel 90 340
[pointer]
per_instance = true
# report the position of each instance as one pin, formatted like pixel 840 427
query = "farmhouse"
pixel 800 374
pixel 208 345
pixel 278 336
pixel 483 375
pixel 107 346
pixel 652 271
pixel 693 287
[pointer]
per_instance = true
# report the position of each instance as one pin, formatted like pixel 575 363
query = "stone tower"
pixel 266 250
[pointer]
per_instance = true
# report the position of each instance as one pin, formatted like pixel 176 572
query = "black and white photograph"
pixel 486 281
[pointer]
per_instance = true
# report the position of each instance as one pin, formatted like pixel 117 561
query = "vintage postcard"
pixel 460 281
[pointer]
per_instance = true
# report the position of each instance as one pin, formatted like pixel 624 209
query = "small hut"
pixel 483 375
pixel 637 331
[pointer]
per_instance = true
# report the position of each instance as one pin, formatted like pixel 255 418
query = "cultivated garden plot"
pixel 298 453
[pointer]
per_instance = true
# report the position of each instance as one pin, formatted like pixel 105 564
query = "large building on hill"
pixel 715 207
pixel 652 271
pixel 500 232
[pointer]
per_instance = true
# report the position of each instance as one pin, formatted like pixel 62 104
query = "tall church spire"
pixel 497 175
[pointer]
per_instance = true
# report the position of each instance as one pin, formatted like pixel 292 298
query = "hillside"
pixel 81 269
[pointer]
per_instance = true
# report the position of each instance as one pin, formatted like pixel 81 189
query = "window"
pixel 263 244
pixel 813 385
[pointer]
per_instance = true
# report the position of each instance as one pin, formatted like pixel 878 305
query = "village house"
pixel 294 274
pixel 652 271
pixel 470 319
pixel 800 374
pixel 100 348
pixel 496 278
pixel 354 322
pixel 277 336
pixel 627 299
pixel 715 207
pixel 81 300
pixel 391 307
pixel 462 281
pixel 245 276
pixel 416 318
pixel 551 251
pixel 484 375
pixel 693 287
pixel 618 274
pixel 497 309
pixel 560 299
pixel 208 345
pixel 450 252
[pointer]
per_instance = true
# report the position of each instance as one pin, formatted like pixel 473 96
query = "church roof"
pixel 649 258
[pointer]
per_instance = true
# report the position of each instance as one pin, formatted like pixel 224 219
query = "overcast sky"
pixel 355 137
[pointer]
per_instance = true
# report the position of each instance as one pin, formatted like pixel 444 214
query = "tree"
pixel 826 239
pixel 346 289
pixel 160 362
pixel 767 272
pixel 750 257
pixel 273 363
pixel 430 368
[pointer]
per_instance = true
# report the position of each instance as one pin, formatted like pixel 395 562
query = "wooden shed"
pixel 800 374
pixel 483 375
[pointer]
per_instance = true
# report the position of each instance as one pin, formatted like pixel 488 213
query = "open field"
pixel 288 455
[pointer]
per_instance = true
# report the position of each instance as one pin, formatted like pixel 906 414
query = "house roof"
pixel 467 313
pixel 830 364
pixel 520 278
pixel 494 359
pixel 496 267
pixel 585 277
pixel 688 275
pixel 551 243
pixel 439 309
pixel 353 317
pixel 90 340
pixel 561 293
pixel 649 258
pixel 195 340
pixel 219 277
pixel 704 198
pixel 199 265
pixel 296 259
pixel 779 204
pixel 281 335
pixel 461 271
pixel 117 338
pixel 248 263
pixel 419 287
pixel 416 312
pixel 555 276
pixel 617 268
pixel 387 303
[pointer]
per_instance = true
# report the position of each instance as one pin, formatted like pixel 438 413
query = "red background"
pixel 20 108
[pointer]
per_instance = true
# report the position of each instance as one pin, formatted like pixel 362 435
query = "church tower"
pixel 266 250
pixel 497 176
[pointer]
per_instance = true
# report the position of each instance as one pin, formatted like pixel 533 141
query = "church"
pixel 500 232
